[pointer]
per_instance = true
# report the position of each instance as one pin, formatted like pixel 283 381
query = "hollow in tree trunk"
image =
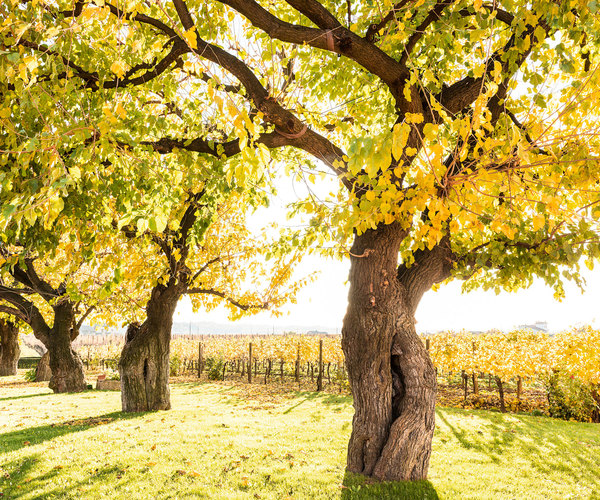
pixel 65 364
pixel 392 378
pixel 9 348
pixel 144 364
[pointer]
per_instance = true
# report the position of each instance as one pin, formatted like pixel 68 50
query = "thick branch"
pixel 29 313
pixel 29 278
pixel 332 37
pixel 17 313
pixel 218 149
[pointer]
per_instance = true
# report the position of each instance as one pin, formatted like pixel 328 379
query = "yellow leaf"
pixel 118 68
pixel 120 111
pixel 399 139
pixel 538 222
pixel 414 118
pixel 430 131
pixel 191 38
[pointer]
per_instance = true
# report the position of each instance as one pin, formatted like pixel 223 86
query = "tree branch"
pixel 376 28
pixel 13 312
pixel 463 93
pixel 243 307
pixel 433 15
pixel 84 316
pixel 30 314
pixel 284 120
pixel 332 36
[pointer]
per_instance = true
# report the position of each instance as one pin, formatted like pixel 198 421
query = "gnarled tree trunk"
pixel 65 364
pixel 9 348
pixel 144 363
pixel 391 376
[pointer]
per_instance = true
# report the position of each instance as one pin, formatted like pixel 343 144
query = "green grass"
pixel 229 442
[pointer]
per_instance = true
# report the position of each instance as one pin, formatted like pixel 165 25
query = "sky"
pixel 323 303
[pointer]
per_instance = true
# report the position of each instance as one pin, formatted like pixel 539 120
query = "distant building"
pixel 538 326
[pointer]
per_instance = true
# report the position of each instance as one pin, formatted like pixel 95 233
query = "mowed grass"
pixel 227 442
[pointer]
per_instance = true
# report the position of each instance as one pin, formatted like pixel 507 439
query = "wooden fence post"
pixel 320 377
pixel 250 363
pixel 297 373
pixel 200 358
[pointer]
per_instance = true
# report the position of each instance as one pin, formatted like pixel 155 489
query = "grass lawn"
pixel 227 442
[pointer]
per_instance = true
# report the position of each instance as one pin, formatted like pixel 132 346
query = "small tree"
pixel 53 315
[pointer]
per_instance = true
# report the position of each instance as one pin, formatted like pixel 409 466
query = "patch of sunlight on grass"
pixel 245 442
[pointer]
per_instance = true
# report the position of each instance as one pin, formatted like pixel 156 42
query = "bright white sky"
pixel 324 301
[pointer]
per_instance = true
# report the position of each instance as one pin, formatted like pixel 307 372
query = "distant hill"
pixel 233 328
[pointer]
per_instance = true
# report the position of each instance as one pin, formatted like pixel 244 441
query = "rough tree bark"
pixel 65 364
pixel 9 348
pixel 144 364
pixel 42 371
pixel 391 376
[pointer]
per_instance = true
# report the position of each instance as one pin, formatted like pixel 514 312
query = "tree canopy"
pixel 463 137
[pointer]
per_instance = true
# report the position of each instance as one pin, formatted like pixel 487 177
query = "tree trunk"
pixel 42 371
pixel 65 364
pixel 144 363
pixel 391 376
pixel 501 394
pixel 9 348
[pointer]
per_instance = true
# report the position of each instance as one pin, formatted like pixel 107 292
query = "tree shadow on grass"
pixel 325 398
pixel 358 487
pixel 333 400
pixel 22 478
pixel 25 396
pixel 15 440
pixel 548 444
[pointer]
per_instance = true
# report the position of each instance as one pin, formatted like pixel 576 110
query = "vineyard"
pixel 518 359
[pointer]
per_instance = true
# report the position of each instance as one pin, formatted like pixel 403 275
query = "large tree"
pixel 9 346
pixel 463 135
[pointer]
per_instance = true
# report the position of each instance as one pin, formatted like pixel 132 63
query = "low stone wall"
pixel 108 385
